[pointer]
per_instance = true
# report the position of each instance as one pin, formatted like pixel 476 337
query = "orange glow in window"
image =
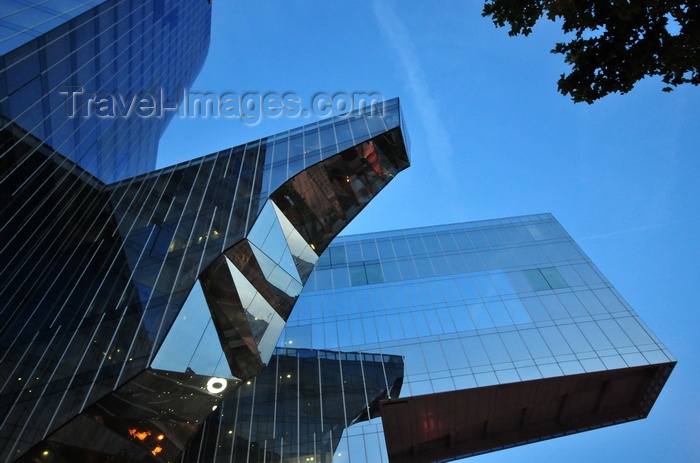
pixel 140 435
pixel 157 450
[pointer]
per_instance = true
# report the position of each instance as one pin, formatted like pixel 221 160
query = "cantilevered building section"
pixel 508 332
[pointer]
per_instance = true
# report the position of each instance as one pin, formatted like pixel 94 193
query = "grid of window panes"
pixel 469 305
pixel 97 86
pixel 23 20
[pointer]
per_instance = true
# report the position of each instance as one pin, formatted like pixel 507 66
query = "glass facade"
pixel 24 20
pixel 508 333
pixel 96 80
pixel 298 407
pixel 96 274
pixel 103 262
pixel 147 315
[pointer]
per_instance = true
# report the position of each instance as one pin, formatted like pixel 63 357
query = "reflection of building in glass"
pixel 134 302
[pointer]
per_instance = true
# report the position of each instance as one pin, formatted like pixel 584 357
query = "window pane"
pixel 554 278
pixel 374 273
pixel 357 275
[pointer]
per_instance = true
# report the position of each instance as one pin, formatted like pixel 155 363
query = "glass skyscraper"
pixel 102 260
pixel 134 301
pixel 508 334
pixel 80 84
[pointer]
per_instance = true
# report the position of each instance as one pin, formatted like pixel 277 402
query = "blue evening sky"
pixel 491 137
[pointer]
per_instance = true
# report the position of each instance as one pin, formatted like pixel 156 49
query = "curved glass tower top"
pixel 97 84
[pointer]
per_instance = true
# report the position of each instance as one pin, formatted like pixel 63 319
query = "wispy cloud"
pixel 635 229
pixel 438 140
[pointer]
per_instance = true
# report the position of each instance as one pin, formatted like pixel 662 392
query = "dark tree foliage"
pixel 614 43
